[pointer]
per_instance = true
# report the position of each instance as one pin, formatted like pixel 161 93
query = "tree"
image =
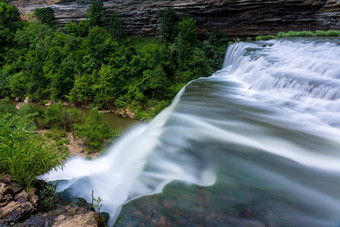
pixel 109 86
pixel 169 28
pixel 45 15
pixel 116 27
pixel 186 41
pixel 9 16
pixel 96 14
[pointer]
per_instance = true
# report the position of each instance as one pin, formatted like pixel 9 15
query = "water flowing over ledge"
pixel 266 125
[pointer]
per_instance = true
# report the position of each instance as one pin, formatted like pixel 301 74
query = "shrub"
pixel 57 116
pixel 23 152
pixel 96 14
pixel 265 37
pixel 169 27
pixel 333 33
pixel 94 130
pixel 327 33
pixel 116 27
pixel 44 15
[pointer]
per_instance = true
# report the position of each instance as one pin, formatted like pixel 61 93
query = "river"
pixel 255 144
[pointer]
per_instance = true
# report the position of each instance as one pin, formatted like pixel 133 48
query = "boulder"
pixel 66 216
pixel 15 203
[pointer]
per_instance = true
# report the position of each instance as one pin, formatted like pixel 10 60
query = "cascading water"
pixel 263 134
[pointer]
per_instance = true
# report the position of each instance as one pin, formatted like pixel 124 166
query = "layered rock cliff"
pixel 239 18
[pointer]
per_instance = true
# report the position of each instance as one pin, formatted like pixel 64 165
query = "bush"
pixel 94 130
pixel 169 28
pixel 23 152
pixel 45 15
pixel 96 14
pixel 116 27
pixel 327 33
pixel 265 37
pixel 57 116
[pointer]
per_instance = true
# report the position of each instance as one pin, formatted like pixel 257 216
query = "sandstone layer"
pixel 239 18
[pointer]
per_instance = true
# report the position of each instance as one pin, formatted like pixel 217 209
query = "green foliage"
pixel 169 21
pixel 81 92
pixel 109 86
pixel 55 134
pixel 116 27
pixel 9 18
pixel 9 15
pixel 294 34
pixel 58 117
pixel 47 195
pixel 214 48
pixel 327 33
pixel 186 41
pixel 96 14
pixel 96 203
pixel 44 15
pixel 81 29
pixel 94 130
pixel 330 33
pixel 98 65
pixel 265 37
pixel 23 153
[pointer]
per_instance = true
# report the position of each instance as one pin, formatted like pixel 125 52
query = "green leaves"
pixel 96 14
pixel 94 130
pixel 169 21
pixel 8 15
pixel 45 15
pixel 23 153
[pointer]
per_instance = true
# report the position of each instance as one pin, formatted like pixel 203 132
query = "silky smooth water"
pixel 266 127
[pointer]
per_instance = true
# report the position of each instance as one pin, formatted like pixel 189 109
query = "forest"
pixel 93 63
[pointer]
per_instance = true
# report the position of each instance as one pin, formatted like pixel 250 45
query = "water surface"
pixel 255 144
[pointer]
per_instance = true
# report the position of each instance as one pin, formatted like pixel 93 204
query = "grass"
pixel 24 154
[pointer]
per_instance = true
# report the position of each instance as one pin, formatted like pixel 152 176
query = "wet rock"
pixel 19 207
pixel 15 203
pixel 66 216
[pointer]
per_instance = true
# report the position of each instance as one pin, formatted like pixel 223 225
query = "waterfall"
pixel 267 122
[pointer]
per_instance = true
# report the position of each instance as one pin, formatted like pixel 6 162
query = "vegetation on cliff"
pixel 94 63
pixel 317 33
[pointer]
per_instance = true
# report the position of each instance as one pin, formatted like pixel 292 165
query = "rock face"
pixel 239 18
pixel 19 208
pixel 66 216
pixel 15 203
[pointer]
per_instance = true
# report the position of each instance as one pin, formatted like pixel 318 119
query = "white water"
pixel 138 164
pixel 278 97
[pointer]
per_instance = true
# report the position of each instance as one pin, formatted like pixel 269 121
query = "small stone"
pixel 6 178
pixel 22 197
pixel 5 199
